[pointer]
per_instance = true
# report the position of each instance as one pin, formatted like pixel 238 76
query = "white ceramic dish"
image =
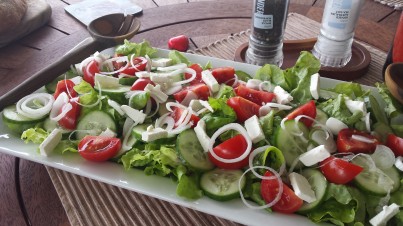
pixel 155 186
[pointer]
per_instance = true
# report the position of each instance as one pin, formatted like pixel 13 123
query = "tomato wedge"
pixel 141 83
pixel 230 149
pixel 224 75
pixel 69 121
pixel 256 96
pixel 198 78
pixel 308 109
pixel 139 63
pixel 346 143
pixel 177 113
pixel 89 72
pixel 65 85
pixel 99 148
pixel 289 201
pixel 243 108
pixel 395 143
pixel 339 171
pixel 201 90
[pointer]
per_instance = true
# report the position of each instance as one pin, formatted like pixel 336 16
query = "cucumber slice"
pixel 94 123
pixel 191 151
pixel 319 184
pixel 289 143
pixel 374 180
pixel 117 94
pixel 321 116
pixel 127 81
pixel 18 123
pixel 139 129
pixel 222 185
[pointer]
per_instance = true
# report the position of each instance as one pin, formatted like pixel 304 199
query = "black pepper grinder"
pixel 268 25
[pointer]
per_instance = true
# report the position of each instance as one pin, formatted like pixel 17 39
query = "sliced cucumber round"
pixel 18 123
pixel 318 184
pixel 127 81
pixel 222 185
pixel 94 123
pixel 191 151
pixel 292 141
pixel 321 116
pixel 116 94
pixel 374 180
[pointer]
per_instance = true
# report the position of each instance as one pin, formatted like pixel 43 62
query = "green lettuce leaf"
pixel 225 91
pixel 393 107
pixel 243 76
pixel 67 146
pixel 306 65
pixel 177 57
pixel 34 135
pixel 138 49
pixel 222 115
pixel 252 192
pixel 273 74
pixel 88 95
pixel 188 187
pixel 351 89
pixel 337 108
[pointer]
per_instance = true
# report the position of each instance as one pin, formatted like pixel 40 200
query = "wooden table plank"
pixel 42 37
pixel 12 56
pixel 169 2
pixel 60 20
pixel 145 4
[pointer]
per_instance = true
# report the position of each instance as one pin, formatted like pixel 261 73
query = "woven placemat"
pixel 396 4
pixel 90 202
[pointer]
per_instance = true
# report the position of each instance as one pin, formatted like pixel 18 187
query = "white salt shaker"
pixel 333 47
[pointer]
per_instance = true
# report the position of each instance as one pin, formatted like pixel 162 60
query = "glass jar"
pixel 333 47
pixel 268 25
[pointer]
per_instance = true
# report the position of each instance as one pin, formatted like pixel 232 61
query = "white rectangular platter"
pixel 155 186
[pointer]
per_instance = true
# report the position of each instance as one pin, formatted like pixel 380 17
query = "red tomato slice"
pixel 139 63
pixel 141 83
pixel 308 109
pixel 99 148
pixel 256 96
pixel 177 113
pixel 395 143
pixel 243 108
pixel 289 201
pixel 201 90
pixel 198 78
pixel 89 72
pixel 224 75
pixel 230 149
pixel 345 142
pixel 69 121
pixel 339 171
pixel 65 85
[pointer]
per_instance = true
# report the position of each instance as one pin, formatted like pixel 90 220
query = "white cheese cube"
pixel 385 215
pixel 108 133
pixel 301 187
pixel 314 86
pixel 195 105
pixel 356 105
pixel 335 125
pixel 143 74
pixel 210 81
pixel 253 84
pixel 200 130
pixel 314 155
pixel 282 96
pixel 161 62
pixel 156 93
pixel 51 141
pixel 253 129
pixel 136 115
pixel 154 134
pixel 106 81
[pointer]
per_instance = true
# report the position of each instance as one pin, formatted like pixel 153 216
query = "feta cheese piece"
pixel 335 125
pixel 106 81
pixel 156 93
pixel 385 215
pixel 51 141
pixel 314 155
pixel 197 105
pixel 161 62
pixel 282 96
pixel 200 130
pixel 210 81
pixel 154 134
pixel 253 129
pixel 399 163
pixel 314 86
pixel 143 74
pixel 160 78
pixel 301 187
pixel 253 84
pixel 134 114
pixel 356 105
pixel 108 133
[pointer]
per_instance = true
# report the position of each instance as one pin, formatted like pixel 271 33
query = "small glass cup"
pixel 268 25
pixel 333 47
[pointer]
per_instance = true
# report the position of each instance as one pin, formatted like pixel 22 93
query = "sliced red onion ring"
pixel 242 131
pixel 23 105
pixel 280 187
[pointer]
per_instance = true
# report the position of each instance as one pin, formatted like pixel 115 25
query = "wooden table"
pixel 203 21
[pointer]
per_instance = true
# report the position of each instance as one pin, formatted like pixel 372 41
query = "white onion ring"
pixel 242 131
pixel 169 106
pixel 173 67
pixel 134 66
pixel 60 101
pixel 362 139
pixel 280 187
pixel 85 62
pixel 268 88
pixel 117 59
pixel 116 106
pixel 190 95
pixel 186 70
pixel 258 151
pixel 46 99
pixel 165 119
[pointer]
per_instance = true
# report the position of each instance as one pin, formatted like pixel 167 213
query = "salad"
pixel 274 139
